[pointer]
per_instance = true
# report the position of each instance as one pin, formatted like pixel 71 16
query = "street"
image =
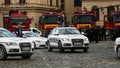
pixel 100 55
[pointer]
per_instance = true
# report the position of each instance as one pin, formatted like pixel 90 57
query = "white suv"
pixel 14 46
pixel 67 38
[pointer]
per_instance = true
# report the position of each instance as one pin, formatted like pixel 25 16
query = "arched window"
pixel 96 9
pixel 22 1
pixel 51 3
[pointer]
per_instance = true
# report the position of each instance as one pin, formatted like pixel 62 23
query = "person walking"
pixel 18 31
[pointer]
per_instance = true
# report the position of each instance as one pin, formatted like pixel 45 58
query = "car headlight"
pixel 86 39
pixel 65 39
pixel 11 43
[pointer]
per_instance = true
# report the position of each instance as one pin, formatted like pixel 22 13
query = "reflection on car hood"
pixel 13 39
pixel 117 40
pixel 73 36
pixel 37 38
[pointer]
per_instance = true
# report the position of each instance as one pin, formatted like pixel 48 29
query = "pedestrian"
pixel 92 37
pixel 96 34
pixel 18 31
pixel 104 33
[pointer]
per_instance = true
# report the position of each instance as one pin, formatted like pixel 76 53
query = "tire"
pixel 3 54
pixel 85 50
pixel 26 56
pixel 118 52
pixel 60 47
pixel 49 47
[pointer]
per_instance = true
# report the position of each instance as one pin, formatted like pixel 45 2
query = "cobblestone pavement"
pixel 100 55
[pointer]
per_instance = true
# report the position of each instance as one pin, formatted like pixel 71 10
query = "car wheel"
pixel 26 56
pixel 118 52
pixel 85 50
pixel 49 47
pixel 60 47
pixel 3 54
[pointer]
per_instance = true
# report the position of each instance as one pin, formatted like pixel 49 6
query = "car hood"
pixel 73 36
pixel 13 39
pixel 117 41
pixel 37 38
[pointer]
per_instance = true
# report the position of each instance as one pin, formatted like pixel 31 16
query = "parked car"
pixel 35 30
pixel 117 47
pixel 39 41
pixel 67 38
pixel 14 46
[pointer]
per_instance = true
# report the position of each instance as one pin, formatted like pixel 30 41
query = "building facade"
pixel 100 3
pixel 34 8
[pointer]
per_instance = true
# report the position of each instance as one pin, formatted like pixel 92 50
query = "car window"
pixel 68 31
pixel 56 31
pixel 6 33
pixel 31 34
pixel 35 31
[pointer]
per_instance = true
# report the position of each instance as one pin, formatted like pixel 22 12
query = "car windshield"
pixel 31 34
pixel 68 31
pixel 6 33
pixel 116 18
pixel 55 19
pixel 18 20
pixel 83 19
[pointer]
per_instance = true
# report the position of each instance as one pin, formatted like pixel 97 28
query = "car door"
pixel 53 38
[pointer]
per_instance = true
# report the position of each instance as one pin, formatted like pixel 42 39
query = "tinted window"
pixel 77 3
pixel 51 19
pixel 83 19
pixel 6 33
pixel 19 20
pixel 31 34
pixel 68 31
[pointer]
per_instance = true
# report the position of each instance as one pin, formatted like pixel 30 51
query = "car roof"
pixel 26 32
pixel 65 28
pixel 2 28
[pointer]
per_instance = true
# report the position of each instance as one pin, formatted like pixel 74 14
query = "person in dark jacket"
pixel 18 31
pixel 96 34
pixel 92 36
pixel 104 33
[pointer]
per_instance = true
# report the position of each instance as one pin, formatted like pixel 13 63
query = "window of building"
pixel 22 1
pixel 50 2
pixel 77 3
pixel 7 2
pixel 57 3
pixel 62 5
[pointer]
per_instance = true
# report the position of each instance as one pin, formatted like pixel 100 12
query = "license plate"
pixel 25 48
pixel 77 44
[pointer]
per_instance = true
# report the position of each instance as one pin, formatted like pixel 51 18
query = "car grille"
pixel 77 42
pixel 25 46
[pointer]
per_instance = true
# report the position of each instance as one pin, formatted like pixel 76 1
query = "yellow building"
pixel 34 8
pixel 100 3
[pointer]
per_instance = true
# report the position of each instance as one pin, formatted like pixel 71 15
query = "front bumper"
pixel 76 46
pixel 15 50
pixel 40 44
